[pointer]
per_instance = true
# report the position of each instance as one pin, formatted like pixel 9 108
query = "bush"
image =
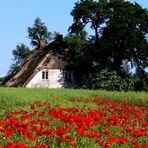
pixel 108 80
pixel 140 85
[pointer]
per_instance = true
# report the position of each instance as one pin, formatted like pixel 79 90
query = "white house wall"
pixel 55 79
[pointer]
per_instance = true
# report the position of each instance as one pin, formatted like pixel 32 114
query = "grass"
pixel 12 98
pixel 91 114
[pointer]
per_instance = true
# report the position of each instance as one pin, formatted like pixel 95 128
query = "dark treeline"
pixel 119 43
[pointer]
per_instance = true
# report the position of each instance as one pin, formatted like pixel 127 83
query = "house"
pixel 45 67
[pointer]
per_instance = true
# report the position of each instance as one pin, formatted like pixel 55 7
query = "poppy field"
pixel 59 121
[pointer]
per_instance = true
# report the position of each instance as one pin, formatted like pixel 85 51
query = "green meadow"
pixel 41 118
pixel 14 98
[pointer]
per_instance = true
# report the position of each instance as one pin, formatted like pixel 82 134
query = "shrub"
pixel 140 85
pixel 108 80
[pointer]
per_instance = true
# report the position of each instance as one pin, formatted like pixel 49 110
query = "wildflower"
pixel 129 129
pixel 30 137
pixel 64 138
pixel 7 132
pixel 105 144
pixel 1 123
pixel 96 134
pixel 106 131
pixel 135 143
pixel 58 140
pixel 80 131
pixel 10 144
pixel 61 131
pixel 137 133
pixel 69 128
pixel 112 140
pixel 20 145
pixel 25 117
pixel 88 134
pixel 32 106
pixel 114 119
pixel 122 139
pixel 145 145
pixel 72 143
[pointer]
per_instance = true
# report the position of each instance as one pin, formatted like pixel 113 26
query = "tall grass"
pixel 13 98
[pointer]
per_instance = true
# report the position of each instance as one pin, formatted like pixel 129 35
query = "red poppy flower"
pixel 96 134
pixel 145 145
pixel 7 133
pixel 58 140
pixel 69 128
pixel 32 106
pixel 64 138
pixel 129 129
pixel 61 131
pixel 26 117
pixel 112 140
pixel 122 139
pixel 105 144
pixel 40 146
pixel 30 137
pixel 80 131
pixel 72 143
pixel 10 144
pixel 21 145
pixel 135 143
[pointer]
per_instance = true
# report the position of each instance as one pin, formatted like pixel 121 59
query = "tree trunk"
pixel 96 36
pixel 117 62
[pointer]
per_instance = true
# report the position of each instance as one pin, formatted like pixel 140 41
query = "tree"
pixel 120 29
pixel 77 43
pixel 125 35
pixel 38 32
pixel 89 12
pixel 20 53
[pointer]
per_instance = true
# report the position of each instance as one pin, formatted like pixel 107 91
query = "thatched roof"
pixel 51 56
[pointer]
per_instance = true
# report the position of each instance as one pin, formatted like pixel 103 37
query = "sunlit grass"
pixel 12 98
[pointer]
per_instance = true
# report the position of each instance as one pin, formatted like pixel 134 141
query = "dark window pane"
pixel 43 74
pixel 46 74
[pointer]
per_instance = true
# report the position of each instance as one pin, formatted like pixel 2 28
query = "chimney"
pixel 42 44
pixel 59 37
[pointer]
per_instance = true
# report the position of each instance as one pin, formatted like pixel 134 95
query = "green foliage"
pixel 124 37
pixel 141 80
pixel 141 84
pixel 120 34
pixel 77 43
pixel 88 12
pixel 1 79
pixel 38 32
pixel 12 69
pixel 108 80
pixel 20 53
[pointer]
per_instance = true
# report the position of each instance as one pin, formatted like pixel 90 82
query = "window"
pixel 45 75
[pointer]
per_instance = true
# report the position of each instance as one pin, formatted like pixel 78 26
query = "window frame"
pixel 45 75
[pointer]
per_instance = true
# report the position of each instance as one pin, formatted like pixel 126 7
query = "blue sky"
pixel 17 15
